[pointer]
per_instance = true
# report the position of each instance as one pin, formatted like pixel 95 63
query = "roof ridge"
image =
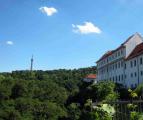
pixel 128 39
pixel 109 52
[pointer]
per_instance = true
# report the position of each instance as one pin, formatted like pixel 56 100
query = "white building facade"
pixel 123 65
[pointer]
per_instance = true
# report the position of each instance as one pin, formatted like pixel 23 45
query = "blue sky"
pixel 64 33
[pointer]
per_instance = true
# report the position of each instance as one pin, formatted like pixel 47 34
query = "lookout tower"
pixel 31 66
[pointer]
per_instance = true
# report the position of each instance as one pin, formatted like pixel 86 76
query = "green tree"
pixel 104 91
pixel 19 90
pixel 74 112
pixel 48 111
pixel 10 114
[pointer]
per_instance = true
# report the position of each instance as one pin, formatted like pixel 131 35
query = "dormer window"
pixel 116 54
pixel 119 53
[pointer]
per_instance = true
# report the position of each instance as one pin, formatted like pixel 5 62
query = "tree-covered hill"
pixel 56 95
pixel 40 95
pixel 55 74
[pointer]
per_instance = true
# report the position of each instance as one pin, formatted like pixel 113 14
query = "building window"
pixel 119 53
pixel 116 78
pixel 131 74
pixel 116 54
pixel 116 65
pixel 141 73
pixel 135 63
pixel 119 65
pixel 125 65
pixel 125 76
pixel 135 74
pixel 122 77
pixel 122 64
pixel 141 61
pixel 119 77
pixel 131 64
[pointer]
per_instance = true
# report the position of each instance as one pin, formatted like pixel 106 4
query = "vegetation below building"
pixel 56 95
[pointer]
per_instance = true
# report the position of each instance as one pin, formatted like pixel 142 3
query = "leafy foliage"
pixel 41 95
pixel 56 95
pixel 98 112
pixel 136 116
pixel 104 91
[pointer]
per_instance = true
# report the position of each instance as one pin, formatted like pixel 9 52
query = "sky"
pixel 64 33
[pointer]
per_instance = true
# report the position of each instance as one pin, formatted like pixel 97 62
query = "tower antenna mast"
pixel 32 60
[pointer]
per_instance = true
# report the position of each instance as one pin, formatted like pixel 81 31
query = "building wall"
pixel 116 68
pixel 134 71
pixel 140 61
pixel 112 58
pixel 90 80
pixel 131 73
pixel 127 72
pixel 111 68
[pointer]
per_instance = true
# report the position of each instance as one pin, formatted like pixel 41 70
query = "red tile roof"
pixel 105 55
pixel 136 52
pixel 112 51
pixel 91 76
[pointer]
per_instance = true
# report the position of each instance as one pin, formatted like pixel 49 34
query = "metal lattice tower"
pixel 32 60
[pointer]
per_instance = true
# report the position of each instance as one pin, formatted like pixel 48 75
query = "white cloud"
pixel 9 43
pixel 49 11
pixel 86 28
